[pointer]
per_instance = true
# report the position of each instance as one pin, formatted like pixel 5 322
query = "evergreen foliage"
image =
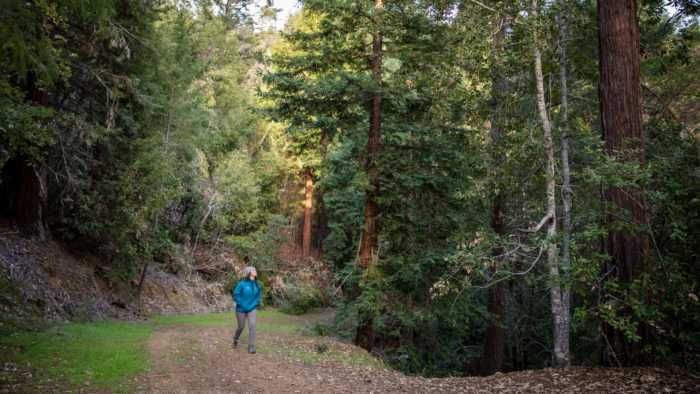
pixel 157 127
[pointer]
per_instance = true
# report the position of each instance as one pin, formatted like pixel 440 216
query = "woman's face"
pixel 253 273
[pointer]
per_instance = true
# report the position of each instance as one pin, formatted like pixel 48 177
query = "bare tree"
pixel 560 326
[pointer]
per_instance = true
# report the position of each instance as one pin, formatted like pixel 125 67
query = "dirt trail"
pixel 188 358
pixel 191 359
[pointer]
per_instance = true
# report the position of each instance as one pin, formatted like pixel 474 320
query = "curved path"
pixel 192 358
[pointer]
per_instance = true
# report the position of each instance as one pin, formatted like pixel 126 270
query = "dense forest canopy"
pixel 478 186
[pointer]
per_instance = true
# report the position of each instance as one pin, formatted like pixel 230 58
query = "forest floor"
pixel 188 357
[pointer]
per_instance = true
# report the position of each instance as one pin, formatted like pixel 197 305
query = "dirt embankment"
pixel 58 282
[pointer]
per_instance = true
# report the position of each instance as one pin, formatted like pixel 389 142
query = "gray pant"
pixel 241 317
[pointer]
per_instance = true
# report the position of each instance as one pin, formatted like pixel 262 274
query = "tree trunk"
pixel 365 330
pixel 492 358
pixel 28 212
pixel 495 301
pixel 142 280
pixel 168 120
pixel 621 117
pixel 31 193
pixel 566 180
pixel 308 202
pixel 560 330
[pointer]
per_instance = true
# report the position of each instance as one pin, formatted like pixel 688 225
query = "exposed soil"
pixel 191 358
pixel 56 281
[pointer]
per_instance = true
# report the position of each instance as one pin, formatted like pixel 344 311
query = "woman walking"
pixel 247 296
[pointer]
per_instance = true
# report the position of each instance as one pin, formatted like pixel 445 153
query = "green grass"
pixel 229 319
pixel 107 355
pixel 97 354
pixel 288 327
pixel 209 319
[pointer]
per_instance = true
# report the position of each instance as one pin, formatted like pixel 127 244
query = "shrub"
pixel 317 329
pixel 297 300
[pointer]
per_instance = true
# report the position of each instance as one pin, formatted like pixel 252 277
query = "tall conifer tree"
pixel 621 118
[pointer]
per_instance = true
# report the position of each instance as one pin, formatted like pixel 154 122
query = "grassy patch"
pixel 267 320
pixel 288 327
pixel 209 319
pixel 99 354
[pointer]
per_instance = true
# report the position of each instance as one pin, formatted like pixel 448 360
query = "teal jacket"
pixel 247 295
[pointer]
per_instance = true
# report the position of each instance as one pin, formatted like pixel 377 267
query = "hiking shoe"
pixel 251 349
pixel 235 343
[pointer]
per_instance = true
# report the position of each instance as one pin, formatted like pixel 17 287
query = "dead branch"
pixel 539 226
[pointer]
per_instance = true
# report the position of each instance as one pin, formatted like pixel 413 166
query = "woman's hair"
pixel 248 271
pixel 255 281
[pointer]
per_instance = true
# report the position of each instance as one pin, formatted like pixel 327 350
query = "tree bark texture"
pixel 621 118
pixel 308 203
pixel 560 329
pixel 365 331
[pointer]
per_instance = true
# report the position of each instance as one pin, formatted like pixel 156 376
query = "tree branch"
pixel 542 222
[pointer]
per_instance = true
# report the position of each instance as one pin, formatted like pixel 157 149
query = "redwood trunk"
pixel 308 202
pixel 365 330
pixel 621 117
